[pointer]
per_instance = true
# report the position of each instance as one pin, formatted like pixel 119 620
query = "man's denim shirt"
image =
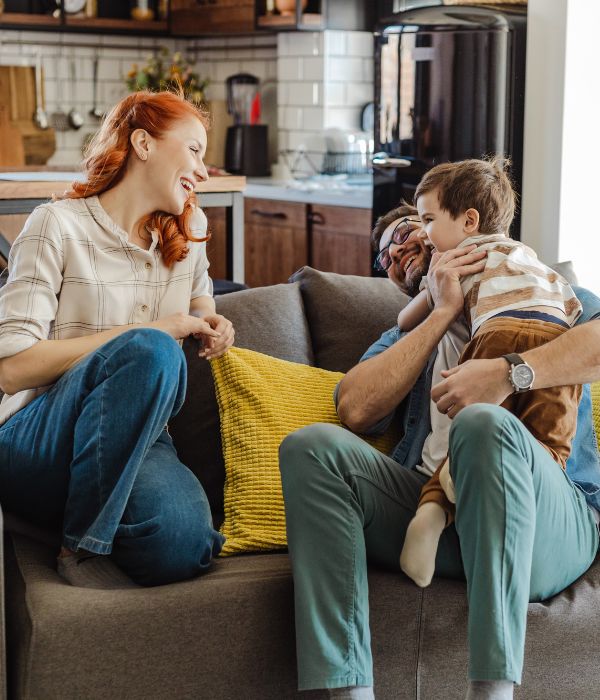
pixel 583 465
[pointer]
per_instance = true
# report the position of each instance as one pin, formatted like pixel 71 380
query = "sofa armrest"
pixel 2 617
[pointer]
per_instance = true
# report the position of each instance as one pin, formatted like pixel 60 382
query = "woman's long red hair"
pixel 107 154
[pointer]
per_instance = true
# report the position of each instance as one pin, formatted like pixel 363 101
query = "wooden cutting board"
pixel 11 143
pixel 17 93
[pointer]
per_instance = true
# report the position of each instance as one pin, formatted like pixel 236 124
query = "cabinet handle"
pixel 315 217
pixel 269 214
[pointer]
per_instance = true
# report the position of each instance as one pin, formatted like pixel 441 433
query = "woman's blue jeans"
pixel 92 455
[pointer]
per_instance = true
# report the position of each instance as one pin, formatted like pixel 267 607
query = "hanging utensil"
pixel 75 118
pixel 59 119
pixel 40 118
pixel 95 111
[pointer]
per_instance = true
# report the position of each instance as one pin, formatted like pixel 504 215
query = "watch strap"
pixel 514 359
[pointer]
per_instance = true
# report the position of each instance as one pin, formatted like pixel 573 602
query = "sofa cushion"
pixel 230 633
pixel 261 400
pixel 346 313
pixel 268 319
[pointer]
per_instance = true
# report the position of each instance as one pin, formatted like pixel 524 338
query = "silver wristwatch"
pixel 520 374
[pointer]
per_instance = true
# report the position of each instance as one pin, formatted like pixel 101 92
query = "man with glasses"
pixel 345 501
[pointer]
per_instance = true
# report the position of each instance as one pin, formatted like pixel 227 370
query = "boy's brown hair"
pixel 474 184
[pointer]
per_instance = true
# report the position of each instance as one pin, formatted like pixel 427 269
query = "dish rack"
pixel 304 163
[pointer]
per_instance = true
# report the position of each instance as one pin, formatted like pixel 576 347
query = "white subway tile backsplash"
pixel 344 69
pixel 358 94
pixel 109 68
pixel 343 117
pixel 335 43
pixel 289 69
pixel 303 94
pixel 292 118
pixel 368 70
pixel 312 118
pixel 334 94
pixel 305 44
pixel 360 44
pixel 312 67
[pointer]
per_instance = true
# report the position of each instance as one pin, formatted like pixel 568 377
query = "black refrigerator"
pixel 449 85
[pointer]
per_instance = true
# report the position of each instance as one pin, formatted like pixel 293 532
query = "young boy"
pixel 515 304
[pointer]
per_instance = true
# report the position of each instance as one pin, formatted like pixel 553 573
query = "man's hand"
pixel 445 272
pixel 213 347
pixel 475 381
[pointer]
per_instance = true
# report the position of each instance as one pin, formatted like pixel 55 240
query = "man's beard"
pixel 413 281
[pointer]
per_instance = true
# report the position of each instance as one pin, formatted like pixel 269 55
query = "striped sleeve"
pixel 515 279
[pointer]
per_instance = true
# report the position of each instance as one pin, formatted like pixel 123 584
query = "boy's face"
pixel 442 230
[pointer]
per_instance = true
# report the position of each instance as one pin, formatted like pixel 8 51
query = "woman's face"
pixel 174 164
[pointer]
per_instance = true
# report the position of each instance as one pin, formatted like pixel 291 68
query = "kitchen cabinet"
pixel 276 240
pixel 281 237
pixel 340 239
pixel 208 17
pixel 112 18
pixel 314 15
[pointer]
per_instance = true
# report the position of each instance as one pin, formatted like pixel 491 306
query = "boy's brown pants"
pixel 550 414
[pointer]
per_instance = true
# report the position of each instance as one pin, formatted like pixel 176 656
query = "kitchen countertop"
pixel 42 184
pixel 332 190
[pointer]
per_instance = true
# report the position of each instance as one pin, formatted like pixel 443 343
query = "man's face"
pixel 410 259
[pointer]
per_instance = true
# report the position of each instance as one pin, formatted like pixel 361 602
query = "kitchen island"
pixel 21 192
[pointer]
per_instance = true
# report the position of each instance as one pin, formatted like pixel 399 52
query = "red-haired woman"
pixel 103 283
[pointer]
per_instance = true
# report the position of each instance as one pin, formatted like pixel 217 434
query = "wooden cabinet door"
pixel 340 239
pixel 275 240
pixel 216 248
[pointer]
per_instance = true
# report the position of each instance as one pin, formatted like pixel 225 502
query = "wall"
pixel 561 146
pixel 310 80
pixel 216 58
pixel 325 78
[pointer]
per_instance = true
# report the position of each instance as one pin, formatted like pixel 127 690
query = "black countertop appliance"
pixel 246 144
pixel 449 85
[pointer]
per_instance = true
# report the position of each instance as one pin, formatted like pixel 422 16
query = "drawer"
pixel 343 220
pixel 270 212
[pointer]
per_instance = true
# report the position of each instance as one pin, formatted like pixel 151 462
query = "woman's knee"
pixel 152 349
pixel 175 545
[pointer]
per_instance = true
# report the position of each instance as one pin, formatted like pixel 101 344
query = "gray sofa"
pixel 230 633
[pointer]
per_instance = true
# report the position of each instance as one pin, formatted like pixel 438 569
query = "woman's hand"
pixel 214 347
pixel 182 325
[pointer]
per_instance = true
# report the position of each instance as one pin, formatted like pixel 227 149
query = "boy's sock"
pixel 87 570
pixel 490 690
pixel 355 692
pixel 417 559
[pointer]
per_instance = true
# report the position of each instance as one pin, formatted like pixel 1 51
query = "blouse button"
pixel 144 307
pixel 148 265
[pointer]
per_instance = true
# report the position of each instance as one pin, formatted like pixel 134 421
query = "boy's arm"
pixel 414 312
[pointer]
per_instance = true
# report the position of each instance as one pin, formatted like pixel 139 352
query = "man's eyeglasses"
pixel 399 236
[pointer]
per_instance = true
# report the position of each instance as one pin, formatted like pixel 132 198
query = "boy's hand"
pixel 445 272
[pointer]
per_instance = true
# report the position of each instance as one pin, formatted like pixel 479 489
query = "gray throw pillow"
pixel 346 313
pixel 267 319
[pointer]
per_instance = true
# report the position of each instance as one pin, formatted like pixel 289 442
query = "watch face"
pixel 72 6
pixel 522 376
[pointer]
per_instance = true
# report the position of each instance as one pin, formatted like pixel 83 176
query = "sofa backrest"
pixel 319 318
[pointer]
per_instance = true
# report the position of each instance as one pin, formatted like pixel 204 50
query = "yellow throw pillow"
pixel 261 400
pixel 596 410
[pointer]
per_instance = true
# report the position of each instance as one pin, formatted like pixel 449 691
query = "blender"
pixel 246 145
